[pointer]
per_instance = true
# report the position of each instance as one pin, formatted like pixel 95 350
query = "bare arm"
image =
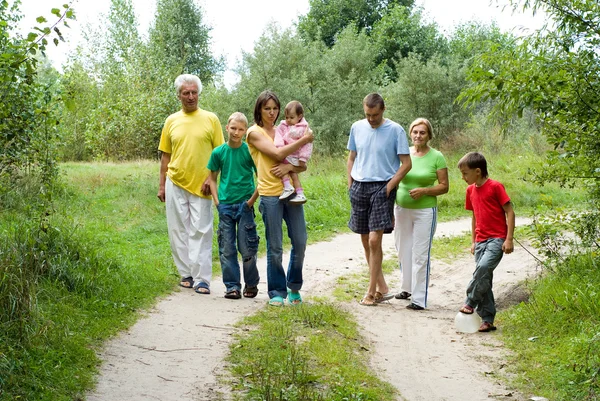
pixel 351 158
pixel 214 190
pixel 265 146
pixel 164 165
pixel 253 198
pixel 473 226
pixel 508 245
pixel 282 169
pixel 402 170
pixel 439 189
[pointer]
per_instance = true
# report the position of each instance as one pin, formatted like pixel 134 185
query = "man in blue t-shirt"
pixel 379 159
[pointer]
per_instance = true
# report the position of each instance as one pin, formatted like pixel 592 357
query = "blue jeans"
pixel 236 225
pixel 488 254
pixel 273 213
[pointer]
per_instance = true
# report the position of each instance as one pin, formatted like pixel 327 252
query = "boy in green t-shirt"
pixel 234 199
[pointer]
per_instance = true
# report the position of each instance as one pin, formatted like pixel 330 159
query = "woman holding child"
pixel 267 158
pixel 416 213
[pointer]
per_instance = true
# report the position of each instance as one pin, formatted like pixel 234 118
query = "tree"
pixel 180 38
pixel 326 18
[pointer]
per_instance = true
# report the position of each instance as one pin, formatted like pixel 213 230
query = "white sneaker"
pixel 298 199
pixel 287 192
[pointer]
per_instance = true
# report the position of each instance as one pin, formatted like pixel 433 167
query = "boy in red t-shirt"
pixel 492 228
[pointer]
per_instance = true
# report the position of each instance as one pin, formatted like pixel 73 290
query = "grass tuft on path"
pixel 308 352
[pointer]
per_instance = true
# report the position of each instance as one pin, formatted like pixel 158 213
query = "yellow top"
pixel 268 183
pixel 190 139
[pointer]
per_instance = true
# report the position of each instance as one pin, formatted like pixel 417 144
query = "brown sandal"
pixel 250 292
pixel 486 327
pixel 466 309
pixel 368 300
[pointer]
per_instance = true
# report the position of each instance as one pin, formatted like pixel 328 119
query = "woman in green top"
pixel 416 213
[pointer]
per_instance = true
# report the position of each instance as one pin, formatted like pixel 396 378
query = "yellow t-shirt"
pixel 190 139
pixel 268 183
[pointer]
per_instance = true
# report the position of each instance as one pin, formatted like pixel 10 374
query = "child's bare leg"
pixel 300 198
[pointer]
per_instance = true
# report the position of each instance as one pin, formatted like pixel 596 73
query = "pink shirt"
pixel 286 134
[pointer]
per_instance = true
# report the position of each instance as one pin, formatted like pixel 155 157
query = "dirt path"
pixel 175 352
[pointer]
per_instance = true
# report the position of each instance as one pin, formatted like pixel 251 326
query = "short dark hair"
pixel 262 99
pixel 374 99
pixel 474 160
pixel 294 106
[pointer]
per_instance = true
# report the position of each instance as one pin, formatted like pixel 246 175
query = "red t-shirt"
pixel 486 203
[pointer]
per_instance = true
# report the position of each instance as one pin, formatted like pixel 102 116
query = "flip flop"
pixel 187 282
pixel 202 288
pixel 466 309
pixel 294 298
pixel 403 295
pixel 233 294
pixel 276 301
pixel 379 297
pixel 368 300
pixel 250 292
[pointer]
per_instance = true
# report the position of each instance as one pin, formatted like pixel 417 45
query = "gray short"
pixel 371 210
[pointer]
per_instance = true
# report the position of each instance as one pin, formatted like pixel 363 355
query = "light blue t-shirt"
pixel 377 150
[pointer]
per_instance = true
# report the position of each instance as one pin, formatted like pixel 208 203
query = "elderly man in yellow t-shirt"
pixel 187 140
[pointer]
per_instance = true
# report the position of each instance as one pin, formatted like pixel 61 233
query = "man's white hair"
pixel 187 79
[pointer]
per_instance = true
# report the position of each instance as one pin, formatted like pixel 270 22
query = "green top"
pixel 237 173
pixel 423 174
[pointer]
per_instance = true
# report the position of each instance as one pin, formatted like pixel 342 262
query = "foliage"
pixel 179 38
pixel 556 72
pixel 326 19
pixel 554 336
pixel 313 352
pixel 402 31
pixel 427 89
pixel 330 83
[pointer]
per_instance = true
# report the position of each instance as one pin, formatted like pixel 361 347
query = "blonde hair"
pixel 425 122
pixel 237 116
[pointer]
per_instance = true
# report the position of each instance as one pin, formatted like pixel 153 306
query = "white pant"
pixel 413 234
pixel 190 226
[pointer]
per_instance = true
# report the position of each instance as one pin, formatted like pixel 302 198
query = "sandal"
pixel 276 301
pixel 233 294
pixel 202 288
pixel 368 300
pixel 250 292
pixel 466 309
pixel 486 326
pixel 294 298
pixel 379 297
pixel 403 295
pixel 187 282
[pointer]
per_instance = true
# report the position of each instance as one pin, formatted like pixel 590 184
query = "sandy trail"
pixel 176 351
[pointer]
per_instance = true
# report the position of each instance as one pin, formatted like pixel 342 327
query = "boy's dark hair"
pixel 294 106
pixel 374 99
pixel 262 99
pixel 474 160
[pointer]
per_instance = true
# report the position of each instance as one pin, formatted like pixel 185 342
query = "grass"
pixel 312 352
pixel 103 255
pixel 555 337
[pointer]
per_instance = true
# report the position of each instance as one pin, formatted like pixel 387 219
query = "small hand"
pixel 508 246
pixel 281 169
pixel 416 193
pixel 309 134
pixel 473 249
pixel 205 187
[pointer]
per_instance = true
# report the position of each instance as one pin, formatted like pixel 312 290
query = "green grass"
pixel 105 256
pixel 312 352
pixel 555 336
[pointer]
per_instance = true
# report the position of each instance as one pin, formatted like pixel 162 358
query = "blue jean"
pixel 236 225
pixel 488 254
pixel 273 213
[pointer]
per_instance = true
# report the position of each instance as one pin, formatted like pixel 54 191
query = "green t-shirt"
pixel 237 173
pixel 423 174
